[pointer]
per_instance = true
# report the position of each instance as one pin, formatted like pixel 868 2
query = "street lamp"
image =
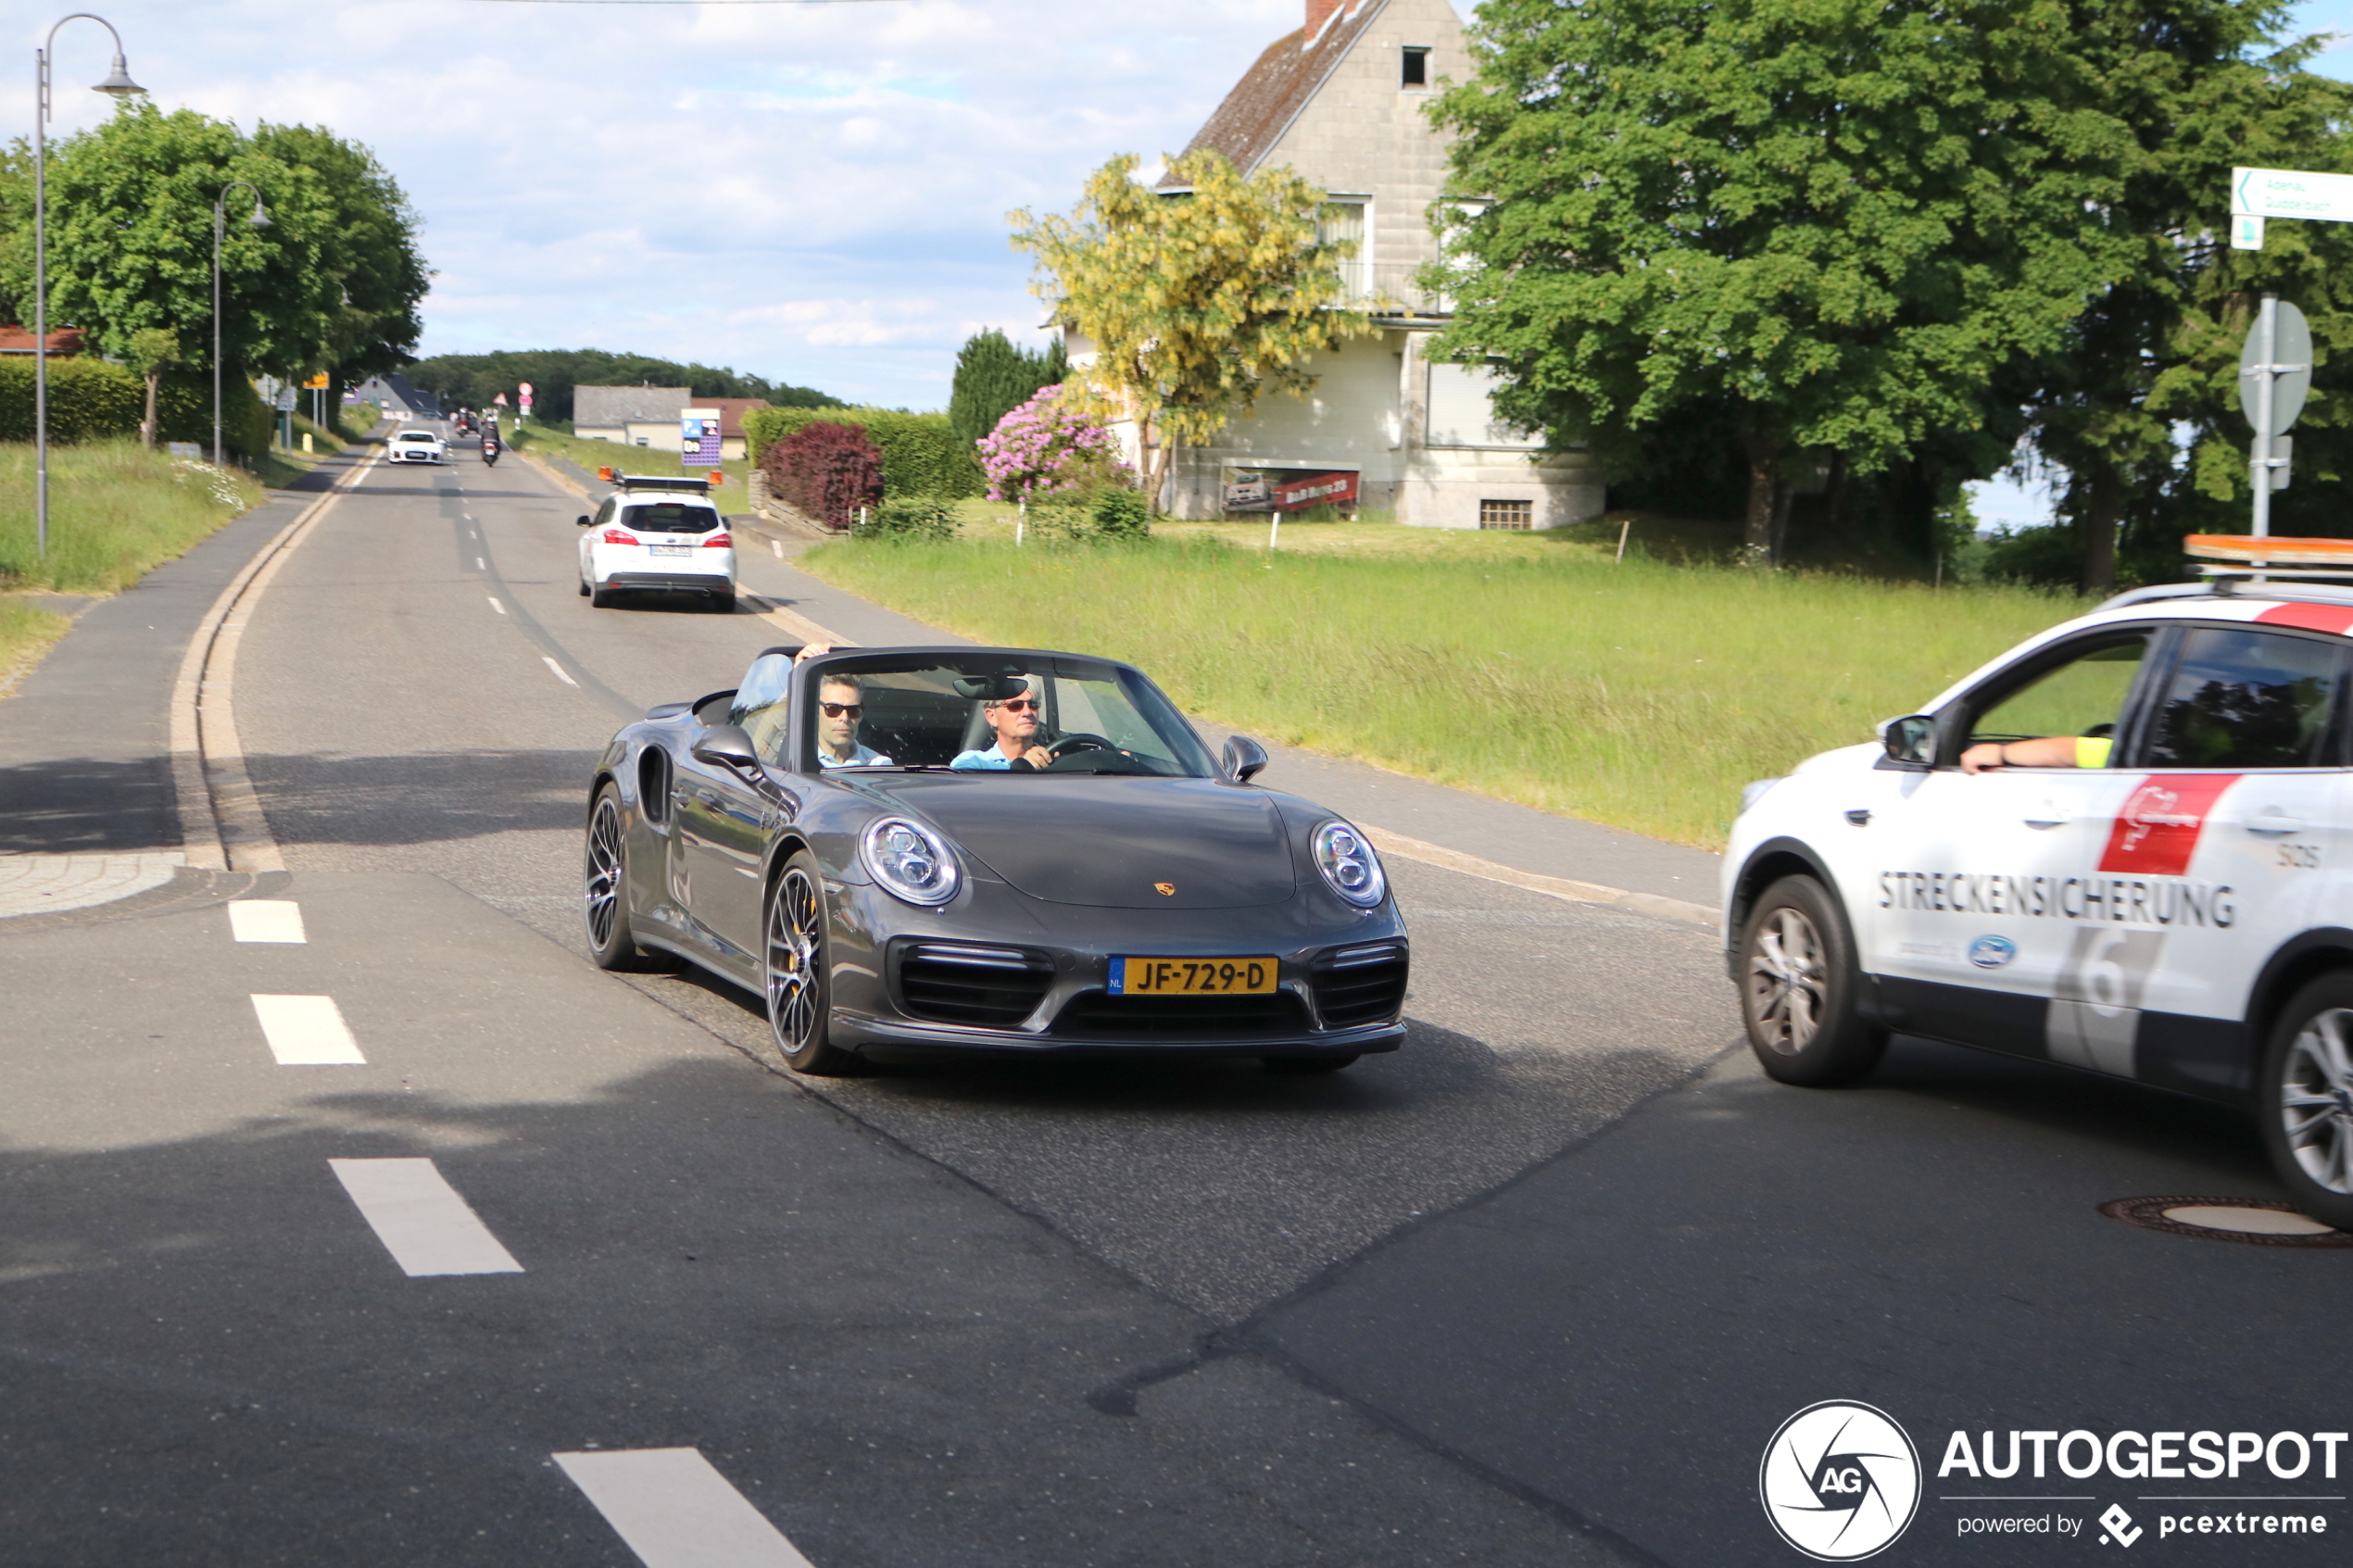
pixel 261 219
pixel 117 85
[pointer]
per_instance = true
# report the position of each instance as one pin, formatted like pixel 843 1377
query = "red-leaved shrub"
pixel 827 471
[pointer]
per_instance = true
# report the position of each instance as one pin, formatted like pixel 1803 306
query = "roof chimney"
pixel 1319 13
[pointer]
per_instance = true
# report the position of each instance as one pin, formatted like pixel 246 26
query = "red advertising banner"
pixel 1288 490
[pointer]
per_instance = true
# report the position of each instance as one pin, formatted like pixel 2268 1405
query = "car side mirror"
pixel 1910 740
pixel 728 746
pixel 581 520
pixel 1245 758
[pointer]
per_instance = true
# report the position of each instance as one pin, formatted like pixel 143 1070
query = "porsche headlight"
pixel 910 861
pixel 1350 865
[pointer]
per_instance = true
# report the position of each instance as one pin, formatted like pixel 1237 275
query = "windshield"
pixel 670 517
pixel 1040 715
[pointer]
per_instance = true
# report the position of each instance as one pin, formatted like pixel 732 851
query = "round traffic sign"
pixel 2291 344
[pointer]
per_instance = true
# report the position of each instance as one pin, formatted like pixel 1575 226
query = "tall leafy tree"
pixel 2204 85
pixel 1196 303
pixel 994 376
pixel 1823 226
pixel 368 250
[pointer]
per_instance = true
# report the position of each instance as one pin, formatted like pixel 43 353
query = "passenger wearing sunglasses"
pixel 1015 720
pixel 841 704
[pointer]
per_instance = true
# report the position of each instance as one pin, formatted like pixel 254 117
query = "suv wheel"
pixel 2304 1099
pixel 1799 988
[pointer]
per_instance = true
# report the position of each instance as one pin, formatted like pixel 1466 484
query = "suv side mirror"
pixel 1910 740
pixel 581 520
pixel 728 746
pixel 1245 758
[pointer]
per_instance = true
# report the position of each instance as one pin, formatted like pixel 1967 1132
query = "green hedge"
pixel 90 399
pixel 920 455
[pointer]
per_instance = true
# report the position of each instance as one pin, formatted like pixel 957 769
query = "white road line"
pixel 266 920
pixel 558 670
pixel 480 565
pixel 674 1511
pixel 306 1032
pixel 420 1217
pixel 494 604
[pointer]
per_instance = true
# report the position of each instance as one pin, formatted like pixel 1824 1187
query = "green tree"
pixel 2204 85
pixel 474 379
pixel 994 376
pixel 1196 302
pixel 368 250
pixel 151 352
pixel 1824 227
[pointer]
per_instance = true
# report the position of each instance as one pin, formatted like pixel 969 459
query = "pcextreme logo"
pixel 1840 1481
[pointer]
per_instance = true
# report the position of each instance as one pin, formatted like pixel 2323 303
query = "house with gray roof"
pixel 1342 100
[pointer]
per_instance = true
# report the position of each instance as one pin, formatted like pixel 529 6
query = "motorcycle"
pixel 490 451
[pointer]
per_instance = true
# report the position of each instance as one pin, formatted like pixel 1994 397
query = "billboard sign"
pixel 1288 490
pixel 698 438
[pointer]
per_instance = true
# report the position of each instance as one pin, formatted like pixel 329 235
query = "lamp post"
pixel 117 85
pixel 261 219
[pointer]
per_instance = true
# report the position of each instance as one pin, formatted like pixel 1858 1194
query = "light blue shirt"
pixel 988 758
pixel 865 757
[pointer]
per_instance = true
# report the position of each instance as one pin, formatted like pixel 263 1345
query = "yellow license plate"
pixel 1191 977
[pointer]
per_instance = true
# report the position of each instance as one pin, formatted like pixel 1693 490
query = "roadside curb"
pixel 222 823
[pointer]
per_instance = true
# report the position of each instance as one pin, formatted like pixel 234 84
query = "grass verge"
pixel 1640 695
pixel 116 511
pixel 25 635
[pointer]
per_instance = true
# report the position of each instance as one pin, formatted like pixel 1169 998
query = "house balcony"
pixel 1388 288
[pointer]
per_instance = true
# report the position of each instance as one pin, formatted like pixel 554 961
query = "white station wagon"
pixel 2125 845
pixel 658 535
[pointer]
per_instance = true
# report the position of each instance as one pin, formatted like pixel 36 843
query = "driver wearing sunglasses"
pixel 1015 720
pixel 841 704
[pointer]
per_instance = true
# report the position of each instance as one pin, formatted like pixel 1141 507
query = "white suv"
pixel 658 534
pixel 2176 908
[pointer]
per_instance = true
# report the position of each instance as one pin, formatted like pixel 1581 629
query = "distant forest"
pixel 474 379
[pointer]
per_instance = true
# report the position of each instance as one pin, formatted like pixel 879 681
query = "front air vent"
pixel 986 987
pixel 1359 985
pixel 1098 1015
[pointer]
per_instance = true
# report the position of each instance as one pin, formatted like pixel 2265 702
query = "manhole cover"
pixel 2251 1220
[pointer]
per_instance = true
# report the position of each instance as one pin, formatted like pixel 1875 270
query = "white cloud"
pixel 817 193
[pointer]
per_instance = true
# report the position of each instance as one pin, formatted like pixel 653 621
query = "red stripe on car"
pixel 2156 832
pixel 2310 617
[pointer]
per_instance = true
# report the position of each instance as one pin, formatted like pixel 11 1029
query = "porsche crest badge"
pixel 1165 889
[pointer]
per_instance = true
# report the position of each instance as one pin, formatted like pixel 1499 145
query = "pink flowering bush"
pixel 1044 448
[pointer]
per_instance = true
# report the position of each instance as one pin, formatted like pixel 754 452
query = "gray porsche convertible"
pixel 987 849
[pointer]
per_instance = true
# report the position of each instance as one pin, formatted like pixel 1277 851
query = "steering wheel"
pixel 1078 741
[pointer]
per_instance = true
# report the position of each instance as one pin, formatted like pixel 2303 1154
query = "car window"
pixel 604 514
pixel 2241 697
pixel 2083 695
pixel 670 517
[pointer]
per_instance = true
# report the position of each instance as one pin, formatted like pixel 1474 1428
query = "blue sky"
pixel 813 193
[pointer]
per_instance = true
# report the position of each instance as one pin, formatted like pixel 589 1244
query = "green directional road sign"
pixel 2290 368
pixel 2292 193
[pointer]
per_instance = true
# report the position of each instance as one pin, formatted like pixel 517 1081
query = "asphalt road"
pixel 1534 1290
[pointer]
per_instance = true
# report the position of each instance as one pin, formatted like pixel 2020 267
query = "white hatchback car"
pixel 417 446
pixel 2176 907
pixel 658 534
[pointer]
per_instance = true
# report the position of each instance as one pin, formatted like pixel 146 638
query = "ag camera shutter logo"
pixel 1840 1481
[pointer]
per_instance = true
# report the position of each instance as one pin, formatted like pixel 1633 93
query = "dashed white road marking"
pixel 558 670
pixel 421 1221
pixel 675 1511
pixel 480 565
pixel 306 1032
pixel 494 604
pixel 266 920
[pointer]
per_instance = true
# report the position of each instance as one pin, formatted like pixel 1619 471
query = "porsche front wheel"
pixel 800 1006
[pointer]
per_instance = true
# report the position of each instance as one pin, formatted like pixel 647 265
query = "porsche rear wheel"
pixel 605 895
pixel 800 1006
